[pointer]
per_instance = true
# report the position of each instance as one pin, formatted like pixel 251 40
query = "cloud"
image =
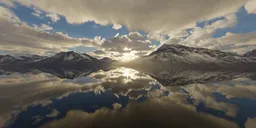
pixel 53 114
pixel 202 37
pixel 250 123
pixel 40 14
pixel 125 47
pixel 37 41
pixel 134 41
pixel 203 94
pixel 99 52
pixel 119 84
pixel 53 16
pixel 239 43
pixel 18 37
pixel 8 3
pixel 31 89
pixel 250 6
pixel 117 106
pixel 146 114
pixel 239 90
pixel 117 26
pixel 147 15
pixel 37 13
pixel 43 27
pixel 159 18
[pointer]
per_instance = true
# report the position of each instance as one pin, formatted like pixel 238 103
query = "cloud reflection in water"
pixel 123 97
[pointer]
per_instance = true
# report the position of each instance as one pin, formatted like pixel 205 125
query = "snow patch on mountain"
pixel 188 55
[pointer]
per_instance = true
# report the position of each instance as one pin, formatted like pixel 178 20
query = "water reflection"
pixel 123 97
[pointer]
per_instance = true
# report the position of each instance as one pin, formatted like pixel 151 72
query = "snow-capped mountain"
pixel 69 58
pixel 251 54
pixel 7 59
pixel 179 56
pixel 107 60
pixel 32 58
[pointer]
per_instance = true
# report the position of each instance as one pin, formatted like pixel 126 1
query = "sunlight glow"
pixel 126 73
pixel 129 56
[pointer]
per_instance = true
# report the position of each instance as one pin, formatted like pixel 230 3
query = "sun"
pixel 128 56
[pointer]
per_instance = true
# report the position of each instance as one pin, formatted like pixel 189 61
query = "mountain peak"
pixel 7 59
pixel 69 57
pixel 251 53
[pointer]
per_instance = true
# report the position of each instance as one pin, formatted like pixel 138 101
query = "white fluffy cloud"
pixel 146 114
pixel 147 15
pixel 250 6
pixel 42 27
pixel 37 13
pixel 202 37
pixel 239 43
pixel 126 47
pixel 117 26
pixel 53 16
pixel 17 36
pixel 134 41
pixel 250 123
pixel 156 17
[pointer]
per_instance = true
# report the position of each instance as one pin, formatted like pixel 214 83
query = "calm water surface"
pixel 123 97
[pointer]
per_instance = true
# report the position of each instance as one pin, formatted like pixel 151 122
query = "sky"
pixel 125 29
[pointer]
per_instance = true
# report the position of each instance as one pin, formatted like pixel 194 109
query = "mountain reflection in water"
pixel 124 97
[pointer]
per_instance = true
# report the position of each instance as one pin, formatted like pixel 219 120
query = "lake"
pixel 124 97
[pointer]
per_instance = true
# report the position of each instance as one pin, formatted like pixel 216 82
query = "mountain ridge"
pixel 180 57
pixel 251 54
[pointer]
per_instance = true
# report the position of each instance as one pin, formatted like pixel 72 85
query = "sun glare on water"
pixel 126 73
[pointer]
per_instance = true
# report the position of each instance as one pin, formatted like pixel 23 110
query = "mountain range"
pixel 179 57
pixel 169 64
pixel 251 54
pixel 166 57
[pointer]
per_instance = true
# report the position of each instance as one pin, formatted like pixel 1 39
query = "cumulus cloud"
pixel 7 3
pixel 250 123
pixel 125 85
pixel 53 16
pixel 147 114
pixel 202 37
pixel 53 114
pixel 147 15
pixel 134 41
pixel 43 27
pixel 203 94
pixel 239 89
pixel 250 6
pixel 99 52
pixel 40 14
pixel 117 26
pixel 37 13
pixel 39 89
pixel 17 36
pixel 31 89
pixel 37 41
pixel 159 18
pixel 122 47
pixel 239 43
